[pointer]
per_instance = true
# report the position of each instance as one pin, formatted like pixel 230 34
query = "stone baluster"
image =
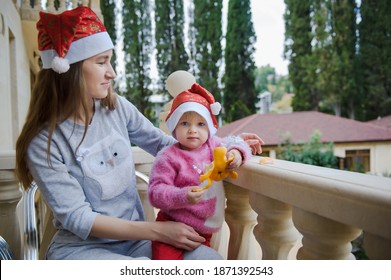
pixel 62 6
pixel 275 231
pixel 377 247
pixel 10 195
pixel 75 3
pixel 241 220
pixel 37 4
pixel 26 4
pixel 323 239
pixel 95 6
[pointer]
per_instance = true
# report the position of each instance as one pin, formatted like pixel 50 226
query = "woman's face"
pixel 191 131
pixel 98 73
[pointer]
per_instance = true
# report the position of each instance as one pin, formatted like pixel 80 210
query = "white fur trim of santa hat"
pixel 79 50
pixel 173 120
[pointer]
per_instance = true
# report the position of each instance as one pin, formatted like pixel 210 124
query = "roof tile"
pixel 301 125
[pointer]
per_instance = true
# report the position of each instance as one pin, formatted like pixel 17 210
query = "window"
pixel 357 160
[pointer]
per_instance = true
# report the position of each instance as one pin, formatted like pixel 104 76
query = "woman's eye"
pixel 102 62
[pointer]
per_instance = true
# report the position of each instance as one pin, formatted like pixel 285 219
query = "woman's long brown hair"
pixel 54 98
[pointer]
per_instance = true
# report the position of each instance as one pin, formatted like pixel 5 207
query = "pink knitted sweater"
pixel 175 171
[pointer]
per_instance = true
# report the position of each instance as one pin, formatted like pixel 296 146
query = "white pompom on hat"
pixel 196 99
pixel 70 37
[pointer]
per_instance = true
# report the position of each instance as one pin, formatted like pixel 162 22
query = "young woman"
pixel 75 145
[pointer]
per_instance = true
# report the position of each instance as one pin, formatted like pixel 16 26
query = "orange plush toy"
pixel 216 171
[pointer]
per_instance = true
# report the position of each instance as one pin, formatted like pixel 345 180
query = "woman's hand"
pixel 179 235
pixel 173 233
pixel 253 141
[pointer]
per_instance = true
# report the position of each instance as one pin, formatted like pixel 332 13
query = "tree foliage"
pixel 264 76
pixel 240 96
pixel 375 57
pixel 208 34
pixel 343 58
pixel 108 12
pixel 298 51
pixel 169 36
pixel 335 65
pixel 266 79
pixel 313 152
pixel 137 47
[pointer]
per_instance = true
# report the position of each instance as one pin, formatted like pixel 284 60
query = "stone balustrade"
pixel 282 210
pixel 286 210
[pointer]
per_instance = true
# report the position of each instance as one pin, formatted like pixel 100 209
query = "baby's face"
pixel 191 131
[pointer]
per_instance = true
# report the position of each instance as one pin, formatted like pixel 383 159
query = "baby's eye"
pixel 184 123
pixel 201 124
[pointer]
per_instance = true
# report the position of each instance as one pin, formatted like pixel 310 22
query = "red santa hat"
pixel 70 37
pixel 196 99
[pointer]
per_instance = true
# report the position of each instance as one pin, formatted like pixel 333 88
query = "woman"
pixel 75 145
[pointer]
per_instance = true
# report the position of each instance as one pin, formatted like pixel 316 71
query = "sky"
pixel 268 23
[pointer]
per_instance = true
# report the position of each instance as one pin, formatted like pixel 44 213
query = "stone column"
pixel 323 239
pixel 275 231
pixel 10 195
pixel 241 220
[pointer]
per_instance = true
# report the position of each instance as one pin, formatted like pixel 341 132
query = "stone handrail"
pixel 299 211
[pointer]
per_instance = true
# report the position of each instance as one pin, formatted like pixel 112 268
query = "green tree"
pixel 313 152
pixel 298 50
pixel 208 35
pixel 343 59
pixel 109 14
pixel 263 77
pixel 240 96
pixel 191 35
pixel 169 36
pixel 321 69
pixel 266 79
pixel 375 57
pixel 137 48
pixel 321 43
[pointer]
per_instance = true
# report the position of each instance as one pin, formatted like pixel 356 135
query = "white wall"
pixel 14 76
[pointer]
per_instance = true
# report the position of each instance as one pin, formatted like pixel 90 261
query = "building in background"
pixel 358 145
pixel 264 102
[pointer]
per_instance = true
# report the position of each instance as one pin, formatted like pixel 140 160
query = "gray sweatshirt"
pixel 98 177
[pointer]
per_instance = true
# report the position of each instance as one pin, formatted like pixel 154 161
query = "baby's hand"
pixel 237 159
pixel 194 197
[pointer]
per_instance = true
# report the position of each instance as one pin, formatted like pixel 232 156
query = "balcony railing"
pixel 286 210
